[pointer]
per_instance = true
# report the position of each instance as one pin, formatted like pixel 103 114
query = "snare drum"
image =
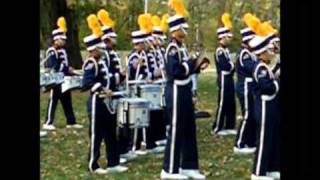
pixel 151 92
pixel 71 82
pixel 49 80
pixel 133 112
pixel 58 77
pixel 45 79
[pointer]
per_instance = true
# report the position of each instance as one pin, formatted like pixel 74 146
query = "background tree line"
pixel 204 15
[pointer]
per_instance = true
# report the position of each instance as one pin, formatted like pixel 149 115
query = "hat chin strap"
pixel 183 30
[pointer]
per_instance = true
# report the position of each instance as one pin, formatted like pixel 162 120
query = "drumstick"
pixel 136 81
pixel 78 72
pixel 159 81
pixel 118 93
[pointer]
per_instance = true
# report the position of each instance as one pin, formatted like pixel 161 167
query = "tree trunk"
pixel 52 10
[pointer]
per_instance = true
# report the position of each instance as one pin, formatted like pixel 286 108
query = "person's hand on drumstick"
pixel 70 70
pixel 107 92
pixel 124 71
pixel 149 80
pixel 157 72
pixel 139 61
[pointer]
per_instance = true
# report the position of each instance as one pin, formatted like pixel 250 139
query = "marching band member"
pixel 137 61
pixel 156 116
pixel 225 114
pixel 181 154
pixel 110 39
pixel 267 159
pixel 113 62
pixel 246 137
pixel 159 27
pixel 98 80
pixel 137 70
pixel 57 62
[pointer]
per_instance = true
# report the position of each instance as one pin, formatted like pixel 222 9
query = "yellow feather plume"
pixel 268 28
pixel 226 20
pixel 164 22
pixel 263 29
pixel 178 6
pixel 252 21
pixel 61 23
pixel 104 18
pixel 145 22
pixel 246 18
pixel 94 25
pixel 156 20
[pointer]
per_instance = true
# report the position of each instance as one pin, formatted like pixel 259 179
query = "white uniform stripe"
pixel 246 109
pixel 93 114
pixel 221 102
pixel 174 126
pixel 50 107
pixel 263 119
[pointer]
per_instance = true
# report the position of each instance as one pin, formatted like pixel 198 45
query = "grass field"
pixel 64 153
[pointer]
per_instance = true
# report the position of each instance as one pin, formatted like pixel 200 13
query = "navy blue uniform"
pixel 157 124
pixel 163 121
pixel 142 70
pixel 268 117
pixel 152 62
pixel 225 114
pixel 57 61
pixel 181 148
pixel 103 123
pixel 160 56
pixel 247 130
pixel 114 64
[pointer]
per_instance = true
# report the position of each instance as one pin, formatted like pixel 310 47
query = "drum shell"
pixel 133 112
pixel 152 93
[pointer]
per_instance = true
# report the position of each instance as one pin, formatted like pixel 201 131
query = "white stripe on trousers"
pixel 221 102
pixel 263 119
pixel 93 113
pixel 135 136
pixel 174 126
pixel 50 107
pixel 246 109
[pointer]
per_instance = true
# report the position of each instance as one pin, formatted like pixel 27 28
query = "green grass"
pixel 64 153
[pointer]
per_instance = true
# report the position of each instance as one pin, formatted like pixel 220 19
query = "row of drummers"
pixel 126 106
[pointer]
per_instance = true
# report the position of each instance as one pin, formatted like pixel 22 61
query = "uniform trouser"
pixel 247 129
pixel 65 98
pixel 124 138
pixel 157 128
pixel 267 157
pixel 226 110
pixel 181 148
pixel 102 128
pixel 160 126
